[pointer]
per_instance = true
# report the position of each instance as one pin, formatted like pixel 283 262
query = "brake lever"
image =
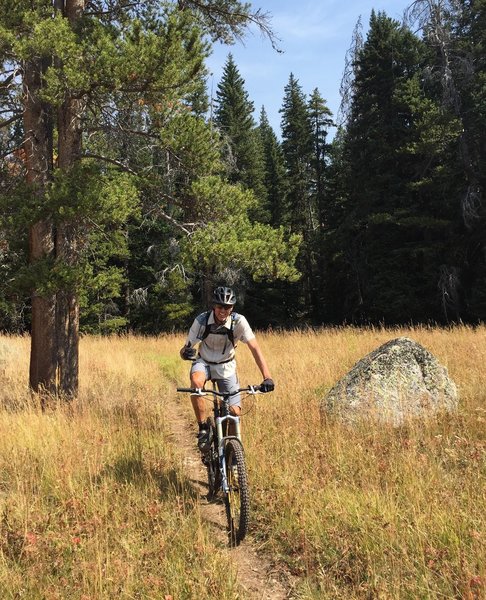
pixel 254 389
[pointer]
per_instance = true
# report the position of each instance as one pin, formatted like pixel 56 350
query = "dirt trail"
pixel 259 579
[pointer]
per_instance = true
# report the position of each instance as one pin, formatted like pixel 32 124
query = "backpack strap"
pixel 231 335
pixel 207 327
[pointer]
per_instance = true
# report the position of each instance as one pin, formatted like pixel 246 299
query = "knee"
pixel 235 411
pixel 198 380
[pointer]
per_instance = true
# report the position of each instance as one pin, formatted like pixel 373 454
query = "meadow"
pixel 96 503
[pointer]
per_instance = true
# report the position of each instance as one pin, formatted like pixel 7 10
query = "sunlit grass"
pixel 370 512
pixel 95 501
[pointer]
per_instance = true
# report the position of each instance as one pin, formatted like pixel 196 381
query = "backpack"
pixel 207 327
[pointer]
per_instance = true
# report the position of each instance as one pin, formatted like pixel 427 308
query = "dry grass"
pixel 95 502
pixel 370 512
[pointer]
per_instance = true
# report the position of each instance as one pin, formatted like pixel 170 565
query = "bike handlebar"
pixel 251 389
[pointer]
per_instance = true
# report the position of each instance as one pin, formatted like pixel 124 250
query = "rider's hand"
pixel 188 353
pixel 267 385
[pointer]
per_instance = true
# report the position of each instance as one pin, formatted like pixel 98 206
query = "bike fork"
pixel 221 457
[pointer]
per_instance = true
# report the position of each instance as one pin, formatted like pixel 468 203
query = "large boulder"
pixel 399 380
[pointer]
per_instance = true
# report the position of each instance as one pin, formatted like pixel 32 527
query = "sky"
pixel 314 37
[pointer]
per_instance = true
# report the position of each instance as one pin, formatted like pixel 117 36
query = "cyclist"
pixel 218 332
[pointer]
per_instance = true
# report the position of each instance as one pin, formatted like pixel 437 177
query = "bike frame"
pixel 222 399
pixel 230 479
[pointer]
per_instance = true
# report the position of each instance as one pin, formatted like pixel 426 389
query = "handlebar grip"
pixel 251 388
pixel 187 390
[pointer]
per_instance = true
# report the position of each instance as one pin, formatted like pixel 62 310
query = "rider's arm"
pixel 192 339
pixel 259 358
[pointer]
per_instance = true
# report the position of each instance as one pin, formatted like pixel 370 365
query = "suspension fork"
pixel 222 444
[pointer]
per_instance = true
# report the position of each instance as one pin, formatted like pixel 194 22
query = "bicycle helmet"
pixel 224 295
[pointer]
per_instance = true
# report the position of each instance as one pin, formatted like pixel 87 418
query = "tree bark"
pixel 207 288
pixel 55 316
pixel 67 243
pixel 38 157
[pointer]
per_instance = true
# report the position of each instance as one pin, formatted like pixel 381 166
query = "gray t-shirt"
pixel 217 348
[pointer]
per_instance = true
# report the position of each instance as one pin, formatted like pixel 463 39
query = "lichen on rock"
pixel 397 381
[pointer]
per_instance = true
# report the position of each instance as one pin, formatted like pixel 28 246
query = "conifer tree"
pixel 275 179
pixel 297 148
pixel 470 73
pixel 272 293
pixel 297 145
pixel 321 121
pixel 76 61
pixel 234 116
pixel 395 232
pixel 455 33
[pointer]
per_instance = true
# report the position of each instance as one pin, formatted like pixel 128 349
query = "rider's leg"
pixel 199 375
pixel 236 412
pixel 198 379
pixel 229 384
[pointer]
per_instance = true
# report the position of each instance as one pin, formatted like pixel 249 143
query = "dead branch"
pixel 12 119
pixel 112 161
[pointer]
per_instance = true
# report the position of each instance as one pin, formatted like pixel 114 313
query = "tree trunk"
pixel 42 373
pixel 208 283
pixel 67 243
pixel 38 153
pixel 55 316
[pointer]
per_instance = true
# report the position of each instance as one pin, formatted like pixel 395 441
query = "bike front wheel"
pixel 237 500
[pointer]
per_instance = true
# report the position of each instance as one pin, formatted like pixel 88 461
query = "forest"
pixel 127 193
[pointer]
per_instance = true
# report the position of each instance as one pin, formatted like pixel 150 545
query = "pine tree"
pixel 346 89
pixel 297 145
pixel 470 73
pixel 272 293
pixel 397 220
pixel 234 117
pixel 321 122
pixel 297 148
pixel 455 33
pixel 78 63
pixel 275 179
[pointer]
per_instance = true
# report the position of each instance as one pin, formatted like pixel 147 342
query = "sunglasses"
pixel 223 306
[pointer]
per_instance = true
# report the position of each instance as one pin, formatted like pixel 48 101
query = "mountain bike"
pixel 225 461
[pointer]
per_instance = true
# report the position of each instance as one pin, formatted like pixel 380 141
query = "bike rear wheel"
pixel 237 500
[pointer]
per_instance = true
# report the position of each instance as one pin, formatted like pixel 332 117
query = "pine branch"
pixel 112 161
pixel 259 18
pixel 12 119
pixel 120 129
pixel 92 11
pixel 184 227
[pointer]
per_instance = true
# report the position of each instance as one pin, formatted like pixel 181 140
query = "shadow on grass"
pixel 133 471
pixel 172 484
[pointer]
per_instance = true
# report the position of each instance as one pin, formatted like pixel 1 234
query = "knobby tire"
pixel 237 501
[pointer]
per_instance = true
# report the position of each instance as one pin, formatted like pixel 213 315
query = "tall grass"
pixel 370 512
pixel 95 501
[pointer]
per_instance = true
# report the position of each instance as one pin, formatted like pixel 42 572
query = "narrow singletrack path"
pixel 257 576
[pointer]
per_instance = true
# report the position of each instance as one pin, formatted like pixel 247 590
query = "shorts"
pixel 224 384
